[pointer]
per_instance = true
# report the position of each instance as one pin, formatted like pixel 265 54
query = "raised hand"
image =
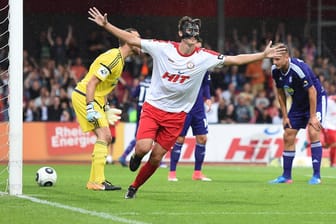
pixel 97 17
pixel 276 51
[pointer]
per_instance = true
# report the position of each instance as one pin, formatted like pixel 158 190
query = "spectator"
pixel 212 115
pixel 309 52
pixel 59 47
pixel 242 112
pixel 42 48
pixel 261 114
pixel 255 75
pixel 55 110
pixel 78 69
pixel 94 45
pixel 228 95
pixel 31 112
pixel 235 78
pixel 261 98
pixel 225 112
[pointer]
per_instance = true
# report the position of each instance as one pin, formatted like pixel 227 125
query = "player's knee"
pixel 107 137
pixel 155 158
pixel 201 139
pixel 104 134
pixel 289 140
pixel 180 140
pixel 142 147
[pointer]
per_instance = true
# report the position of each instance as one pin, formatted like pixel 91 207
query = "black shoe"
pixel 135 162
pixel 108 186
pixel 130 194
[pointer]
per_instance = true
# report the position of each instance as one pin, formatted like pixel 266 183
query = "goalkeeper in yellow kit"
pixel 93 113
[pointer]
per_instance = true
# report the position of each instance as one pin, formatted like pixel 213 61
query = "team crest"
pixel 289 90
pixel 190 65
pixel 103 71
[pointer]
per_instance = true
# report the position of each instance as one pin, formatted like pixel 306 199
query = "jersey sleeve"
pixel 304 73
pixel 213 58
pixel 150 46
pixel 105 64
pixel 307 81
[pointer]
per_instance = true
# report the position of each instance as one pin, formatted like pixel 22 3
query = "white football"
pixel 46 176
pixel 109 159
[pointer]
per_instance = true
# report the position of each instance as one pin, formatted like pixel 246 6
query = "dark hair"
pixel 186 19
pixel 182 21
pixel 130 30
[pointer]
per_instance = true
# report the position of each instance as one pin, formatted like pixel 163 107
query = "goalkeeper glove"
pixel 112 114
pixel 91 114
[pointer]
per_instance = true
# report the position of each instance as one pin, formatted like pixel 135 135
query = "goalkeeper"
pixel 93 113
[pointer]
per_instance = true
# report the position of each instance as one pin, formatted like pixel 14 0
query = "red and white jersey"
pixel 176 78
pixel 330 118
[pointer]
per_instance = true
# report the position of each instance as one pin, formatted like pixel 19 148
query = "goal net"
pixel 11 57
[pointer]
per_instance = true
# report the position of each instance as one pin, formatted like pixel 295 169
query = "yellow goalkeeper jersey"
pixel 107 67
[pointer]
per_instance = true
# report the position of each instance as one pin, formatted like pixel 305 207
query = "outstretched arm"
pixel 269 52
pixel 102 21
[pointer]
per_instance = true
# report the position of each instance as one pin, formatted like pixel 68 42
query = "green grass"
pixel 236 195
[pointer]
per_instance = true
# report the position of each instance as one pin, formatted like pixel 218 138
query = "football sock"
pixel 145 172
pixel 92 171
pixel 99 160
pixel 175 156
pixel 199 156
pixel 316 151
pixel 288 157
pixel 129 148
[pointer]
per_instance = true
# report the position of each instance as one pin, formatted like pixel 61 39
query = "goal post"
pixel 15 70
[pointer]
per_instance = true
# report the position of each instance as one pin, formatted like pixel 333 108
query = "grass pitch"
pixel 236 195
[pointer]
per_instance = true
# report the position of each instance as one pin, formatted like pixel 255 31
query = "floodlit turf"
pixel 236 195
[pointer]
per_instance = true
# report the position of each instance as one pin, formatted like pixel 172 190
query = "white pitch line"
pixel 81 210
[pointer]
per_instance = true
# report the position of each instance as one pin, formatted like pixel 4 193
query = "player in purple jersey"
pixel 296 80
pixel 196 119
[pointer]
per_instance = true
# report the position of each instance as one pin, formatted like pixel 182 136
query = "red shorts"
pixel 161 126
pixel 113 130
pixel 329 136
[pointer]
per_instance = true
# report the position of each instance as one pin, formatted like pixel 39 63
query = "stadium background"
pixel 161 17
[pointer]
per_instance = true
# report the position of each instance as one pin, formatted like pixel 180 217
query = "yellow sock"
pixel 92 172
pixel 98 162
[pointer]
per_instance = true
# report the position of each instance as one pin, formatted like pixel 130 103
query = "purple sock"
pixel 129 148
pixel 316 151
pixel 175 156
pixel 199 156
pixel 288 157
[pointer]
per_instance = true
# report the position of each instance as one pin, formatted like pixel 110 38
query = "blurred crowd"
pixel 242 94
